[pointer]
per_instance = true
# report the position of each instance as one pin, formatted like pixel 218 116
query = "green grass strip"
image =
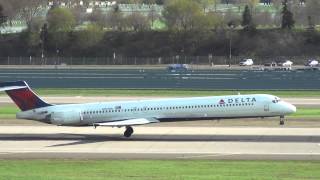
pixel 307 113
pixel 157 169
pixel 8 112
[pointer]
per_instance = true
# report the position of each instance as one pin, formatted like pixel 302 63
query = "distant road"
pixel 216 79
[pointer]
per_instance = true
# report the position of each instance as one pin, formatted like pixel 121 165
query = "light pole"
pixel 231 27
pixel 230 46
pixel 58 58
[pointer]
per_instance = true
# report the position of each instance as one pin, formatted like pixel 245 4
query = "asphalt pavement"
pixel 145 78
pixel 21 142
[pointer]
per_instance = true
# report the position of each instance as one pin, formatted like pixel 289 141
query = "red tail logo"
pixel 22 95
pixel 221 101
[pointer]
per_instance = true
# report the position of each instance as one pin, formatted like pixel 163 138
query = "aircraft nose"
pixel 291 108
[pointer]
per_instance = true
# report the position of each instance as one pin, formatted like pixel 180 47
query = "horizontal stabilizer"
pixel 7 88
pixel 129 122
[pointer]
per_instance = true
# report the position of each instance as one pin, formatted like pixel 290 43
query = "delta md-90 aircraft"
pixel 133 113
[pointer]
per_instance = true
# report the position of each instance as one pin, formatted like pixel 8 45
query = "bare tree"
pixel 99 18
pixel 25 10
pixel 9 9
pixel 79 14
pixel 137 22
pixel 153 15
pixel 3 18
pixel 31 9
pixel 115 20
pixel 264 19
pixel 313 10
pixel 183 14
pixel 230 16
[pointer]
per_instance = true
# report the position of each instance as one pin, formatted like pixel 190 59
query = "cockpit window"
pixel 276 100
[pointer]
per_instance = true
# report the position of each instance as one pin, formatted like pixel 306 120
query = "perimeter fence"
pixel 197 60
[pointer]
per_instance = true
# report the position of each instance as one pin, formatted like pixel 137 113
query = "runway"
pixel 24 142
pixel 231 140
pixel 234 140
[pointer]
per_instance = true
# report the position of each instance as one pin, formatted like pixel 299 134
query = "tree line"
pixel 191 30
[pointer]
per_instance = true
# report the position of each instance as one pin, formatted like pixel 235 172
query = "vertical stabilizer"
pixel 22 95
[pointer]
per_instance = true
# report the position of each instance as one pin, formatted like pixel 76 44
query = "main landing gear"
pixel 128 132
pixel 281 120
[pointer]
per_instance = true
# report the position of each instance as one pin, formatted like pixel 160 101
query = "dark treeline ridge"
pixel 184 28
pixel 166 43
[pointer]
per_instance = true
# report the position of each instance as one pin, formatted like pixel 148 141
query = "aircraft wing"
pixel 128 122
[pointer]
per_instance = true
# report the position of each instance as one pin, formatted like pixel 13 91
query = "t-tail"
pixel 22 95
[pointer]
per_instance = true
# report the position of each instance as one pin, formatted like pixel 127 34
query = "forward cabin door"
pixel 266 108
pixel 134 112
pixel 81 116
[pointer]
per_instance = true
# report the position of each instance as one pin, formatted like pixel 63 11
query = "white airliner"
pixel 132 113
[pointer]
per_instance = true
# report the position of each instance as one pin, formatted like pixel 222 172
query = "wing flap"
pixel 129 122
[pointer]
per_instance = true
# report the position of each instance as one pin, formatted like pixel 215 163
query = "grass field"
pixel 307 113
pixel 157 169
pixel 9 111
pixel 167 92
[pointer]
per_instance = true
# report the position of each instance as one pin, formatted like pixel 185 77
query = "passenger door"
pixel 266 108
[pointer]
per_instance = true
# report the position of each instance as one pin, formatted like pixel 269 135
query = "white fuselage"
pixel 216 107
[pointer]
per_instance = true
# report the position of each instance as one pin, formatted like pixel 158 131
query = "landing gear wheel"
pixel 128 132
pixel 281 120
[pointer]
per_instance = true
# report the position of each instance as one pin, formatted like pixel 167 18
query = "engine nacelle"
pixel 66 118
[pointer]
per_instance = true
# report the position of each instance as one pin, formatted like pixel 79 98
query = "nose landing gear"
pixel 128 132
pixel 282 120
